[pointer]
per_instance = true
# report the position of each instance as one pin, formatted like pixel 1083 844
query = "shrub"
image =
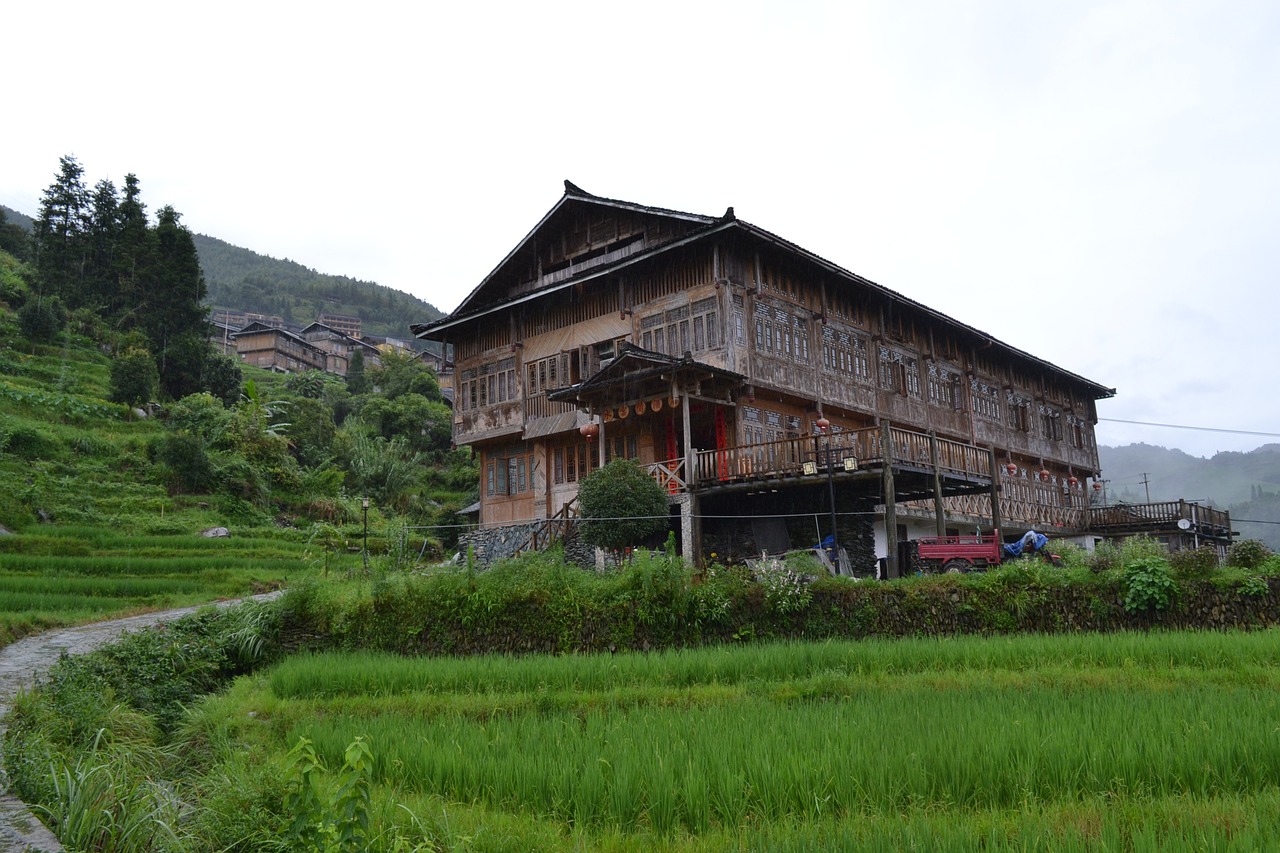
pixel 621 505
pixel 134 377
pixel 185 458
pixel 1248 554
pixel 1199 563
pixel 1148 585
pixel 42 319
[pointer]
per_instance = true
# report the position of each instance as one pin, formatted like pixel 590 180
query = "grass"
pixel 1135 742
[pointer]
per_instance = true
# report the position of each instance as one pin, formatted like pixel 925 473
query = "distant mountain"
pixel 1246 484
pixel 243 280
pixel 18 218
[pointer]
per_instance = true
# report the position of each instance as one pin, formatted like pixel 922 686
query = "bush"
pixel 629 504
pixel 134 377
pixel 42 319
pixel 184 456
pixel 1149 585
pixel 1199 563
pixel 1248 554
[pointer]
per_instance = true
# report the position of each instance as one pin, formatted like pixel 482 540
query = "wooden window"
pixel 986 399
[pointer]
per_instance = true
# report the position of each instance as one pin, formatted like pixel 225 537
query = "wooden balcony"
pixel 864 448
pixel 1165 515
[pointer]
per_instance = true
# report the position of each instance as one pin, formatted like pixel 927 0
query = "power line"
pixel 1194 428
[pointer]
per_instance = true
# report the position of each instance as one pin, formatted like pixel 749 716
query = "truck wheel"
pixel 956 567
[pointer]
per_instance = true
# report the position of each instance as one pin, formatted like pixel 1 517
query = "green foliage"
pixel 621 505
pixel 1247 554
pixel 357 380
pixel 309 384
pixel 311 431
pixel 134 378
pixel 223 378
pixel 1149 585
pixel 41 319
pixel 185 462
pixel 339 821
pixel 403 373
pixel 1199 563
pixel 14 277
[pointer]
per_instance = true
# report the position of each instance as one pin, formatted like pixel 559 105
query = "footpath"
pixel 27 660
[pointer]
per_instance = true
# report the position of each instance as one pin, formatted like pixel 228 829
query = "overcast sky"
pixel 1095 183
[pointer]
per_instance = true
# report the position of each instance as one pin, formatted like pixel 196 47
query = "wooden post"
pixel 995 490
pixel 600 438
pixel 690 464
pixel 939 513
pixel 890 502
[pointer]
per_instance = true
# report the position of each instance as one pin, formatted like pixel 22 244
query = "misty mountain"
pixel 1245 484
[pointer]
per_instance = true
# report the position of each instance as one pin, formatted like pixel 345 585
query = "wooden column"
pixel 600 438
pixel 890 502
pixel 939 512
pixel 995 490
pixel 690 464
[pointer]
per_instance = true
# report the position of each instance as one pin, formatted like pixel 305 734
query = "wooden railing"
pixel 786 457
pixel 538 406
pixel 553 529
pixel 1202 518
pixel 669 474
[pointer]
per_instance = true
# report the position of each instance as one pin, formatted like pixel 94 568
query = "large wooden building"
pixel 762 385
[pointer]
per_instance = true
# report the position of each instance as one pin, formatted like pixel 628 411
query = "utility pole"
pixel 1146 481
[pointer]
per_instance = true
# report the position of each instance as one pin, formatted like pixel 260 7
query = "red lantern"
pixel 1072 481
pixel 589 430
pixel 1097 487
pixel 1044 475
pixel 1011 468
pixel 823 424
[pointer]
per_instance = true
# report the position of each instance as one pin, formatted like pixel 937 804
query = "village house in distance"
pixel 759 383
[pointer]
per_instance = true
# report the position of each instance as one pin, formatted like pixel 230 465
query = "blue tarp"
pixel 1030 541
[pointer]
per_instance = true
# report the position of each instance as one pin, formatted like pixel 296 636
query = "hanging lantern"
pixel 656 404
pixel 641 407
pixel 1044 475
pixel 589 430
pixel 1097 487
pixel 1072 481
pixel 1011 468
pixel 823 424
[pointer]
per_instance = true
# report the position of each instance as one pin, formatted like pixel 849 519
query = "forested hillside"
pixel 243 280
pixel 1246 484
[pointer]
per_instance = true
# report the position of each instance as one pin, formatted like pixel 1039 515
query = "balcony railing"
pixel 786 457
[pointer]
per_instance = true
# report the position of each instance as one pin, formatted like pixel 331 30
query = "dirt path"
pixel 26 660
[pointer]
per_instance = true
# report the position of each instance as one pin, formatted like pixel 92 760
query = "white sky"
pixel 1095 183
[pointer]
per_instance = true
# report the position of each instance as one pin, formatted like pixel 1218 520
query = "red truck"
pixel 956 554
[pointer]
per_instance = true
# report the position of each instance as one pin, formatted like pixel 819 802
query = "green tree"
pixel 60 246
pixel 175 317
pixel 41 319
pixel 134 378
pixel 621 505
pixel 132 256
pixel 403 373
pixel 13 238
pixel 223 378
pixel 309 384
pixel 357 382
pixel 102 237
pixel 311 431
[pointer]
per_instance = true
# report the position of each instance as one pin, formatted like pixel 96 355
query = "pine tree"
pixel 132 256
pixel 60 246
pixel 175 317
pixel 103 235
